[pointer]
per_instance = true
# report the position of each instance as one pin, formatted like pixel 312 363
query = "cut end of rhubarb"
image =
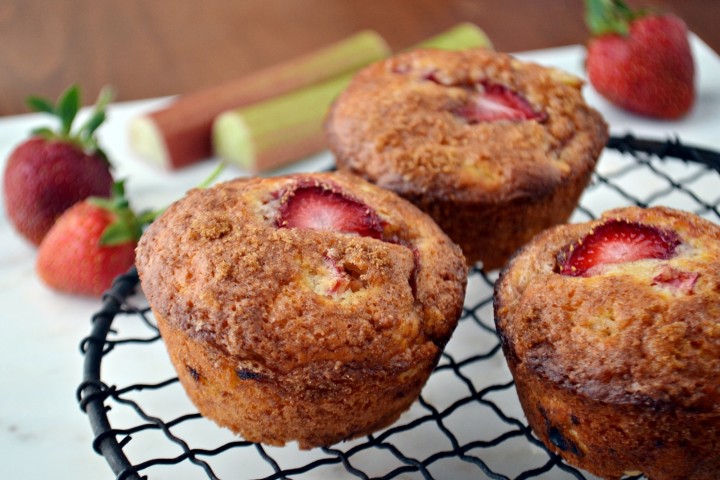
pixel 148 142
pixel 273 133
pixel 370 41
pixel 233 140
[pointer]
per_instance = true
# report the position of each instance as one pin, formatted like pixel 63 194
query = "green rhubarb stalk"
pixel 461 36
pixel 269 134
pixel 180 134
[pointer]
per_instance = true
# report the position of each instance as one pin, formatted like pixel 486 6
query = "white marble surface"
pixel 43 433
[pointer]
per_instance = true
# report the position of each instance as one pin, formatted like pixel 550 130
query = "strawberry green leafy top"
pixel 66 110
pixel 610 16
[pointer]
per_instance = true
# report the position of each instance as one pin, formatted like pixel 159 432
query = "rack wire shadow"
pixel 467 420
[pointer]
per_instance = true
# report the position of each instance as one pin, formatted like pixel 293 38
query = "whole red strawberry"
pixel 639 60
pixel 53 170
pixel 90 244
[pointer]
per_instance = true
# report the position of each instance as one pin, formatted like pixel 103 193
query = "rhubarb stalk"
pixel 461 36
pixel 180 134
pixel 269 134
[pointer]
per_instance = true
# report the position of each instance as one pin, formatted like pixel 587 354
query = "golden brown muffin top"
pixel 230 266
pixel 643 332
pixel 409 124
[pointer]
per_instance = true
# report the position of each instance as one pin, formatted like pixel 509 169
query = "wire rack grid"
pixel 467 423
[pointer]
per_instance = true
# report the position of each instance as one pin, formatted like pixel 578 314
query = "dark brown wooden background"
pixel 148 48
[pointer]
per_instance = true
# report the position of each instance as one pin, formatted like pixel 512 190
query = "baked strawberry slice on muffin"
pixel 325 207
pixel 493 102
pixel 616 241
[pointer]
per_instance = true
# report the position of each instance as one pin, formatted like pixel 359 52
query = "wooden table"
pixel 162 47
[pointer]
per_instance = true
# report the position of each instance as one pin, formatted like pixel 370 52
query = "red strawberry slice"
pixel 676 279
pixel 494 102
pixel 323 207
pixel 616 241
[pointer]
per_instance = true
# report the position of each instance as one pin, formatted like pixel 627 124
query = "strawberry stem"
pixel 127 226
pixel 213 175
pixel 609 17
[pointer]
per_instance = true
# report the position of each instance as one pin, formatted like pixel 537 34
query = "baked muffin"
pixel 612 332
pixel 310 307
pixel 494 149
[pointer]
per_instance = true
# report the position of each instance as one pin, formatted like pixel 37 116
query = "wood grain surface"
pixel 149 48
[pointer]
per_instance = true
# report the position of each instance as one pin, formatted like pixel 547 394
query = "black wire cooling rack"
pixel 466 424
